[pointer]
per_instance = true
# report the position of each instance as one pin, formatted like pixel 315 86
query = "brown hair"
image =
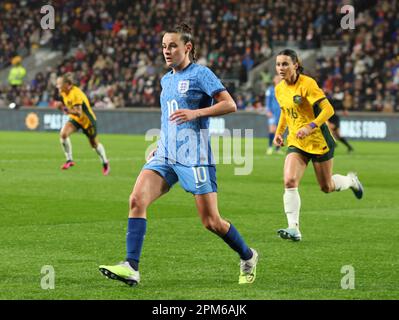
pixel 186 36
pixel 294 57
pixel 67 78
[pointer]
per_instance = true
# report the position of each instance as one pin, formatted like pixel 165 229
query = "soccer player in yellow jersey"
pixel 304 111
pixel 81 116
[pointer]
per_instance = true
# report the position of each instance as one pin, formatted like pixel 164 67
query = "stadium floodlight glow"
pixel 12 105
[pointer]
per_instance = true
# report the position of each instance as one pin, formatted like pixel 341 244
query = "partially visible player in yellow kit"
pixel 81 116
pixel 304 111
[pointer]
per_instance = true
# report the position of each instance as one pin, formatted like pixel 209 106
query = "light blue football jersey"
pixel 271 102
pixel 191 88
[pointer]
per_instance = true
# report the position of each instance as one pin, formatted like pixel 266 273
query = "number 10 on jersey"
pixel 199 174
pixel 172 106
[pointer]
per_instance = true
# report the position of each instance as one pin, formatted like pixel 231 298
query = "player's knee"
pixel 137 204
pixel 290 182
pixel 327 187
pixel 63 135
pixel 212 224
pixel 93 144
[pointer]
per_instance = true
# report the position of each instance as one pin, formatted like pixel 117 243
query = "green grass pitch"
pixel 76 220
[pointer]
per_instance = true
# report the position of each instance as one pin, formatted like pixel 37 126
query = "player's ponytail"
pixel 294 57
pixel 186 36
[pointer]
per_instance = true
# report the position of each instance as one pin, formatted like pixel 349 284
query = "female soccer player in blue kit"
pixel 273 114
pixel 183 154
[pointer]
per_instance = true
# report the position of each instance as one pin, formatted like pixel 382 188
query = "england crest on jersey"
pixel 183 86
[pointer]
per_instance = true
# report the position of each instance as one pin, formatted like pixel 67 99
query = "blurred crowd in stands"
pixel 114 47
pixel 365 74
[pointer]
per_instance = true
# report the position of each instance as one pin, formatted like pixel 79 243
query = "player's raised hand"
pixel 183 115
pixel 278 140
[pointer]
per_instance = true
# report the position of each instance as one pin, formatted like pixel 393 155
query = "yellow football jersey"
pixel 77 97
pixel 298 109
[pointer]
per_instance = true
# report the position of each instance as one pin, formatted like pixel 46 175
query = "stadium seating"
pixel 113 47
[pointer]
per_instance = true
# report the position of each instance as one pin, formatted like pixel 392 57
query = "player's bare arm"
pixel 225 104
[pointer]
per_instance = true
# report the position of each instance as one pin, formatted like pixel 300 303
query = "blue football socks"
pixel 237 243
pixel 136 229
